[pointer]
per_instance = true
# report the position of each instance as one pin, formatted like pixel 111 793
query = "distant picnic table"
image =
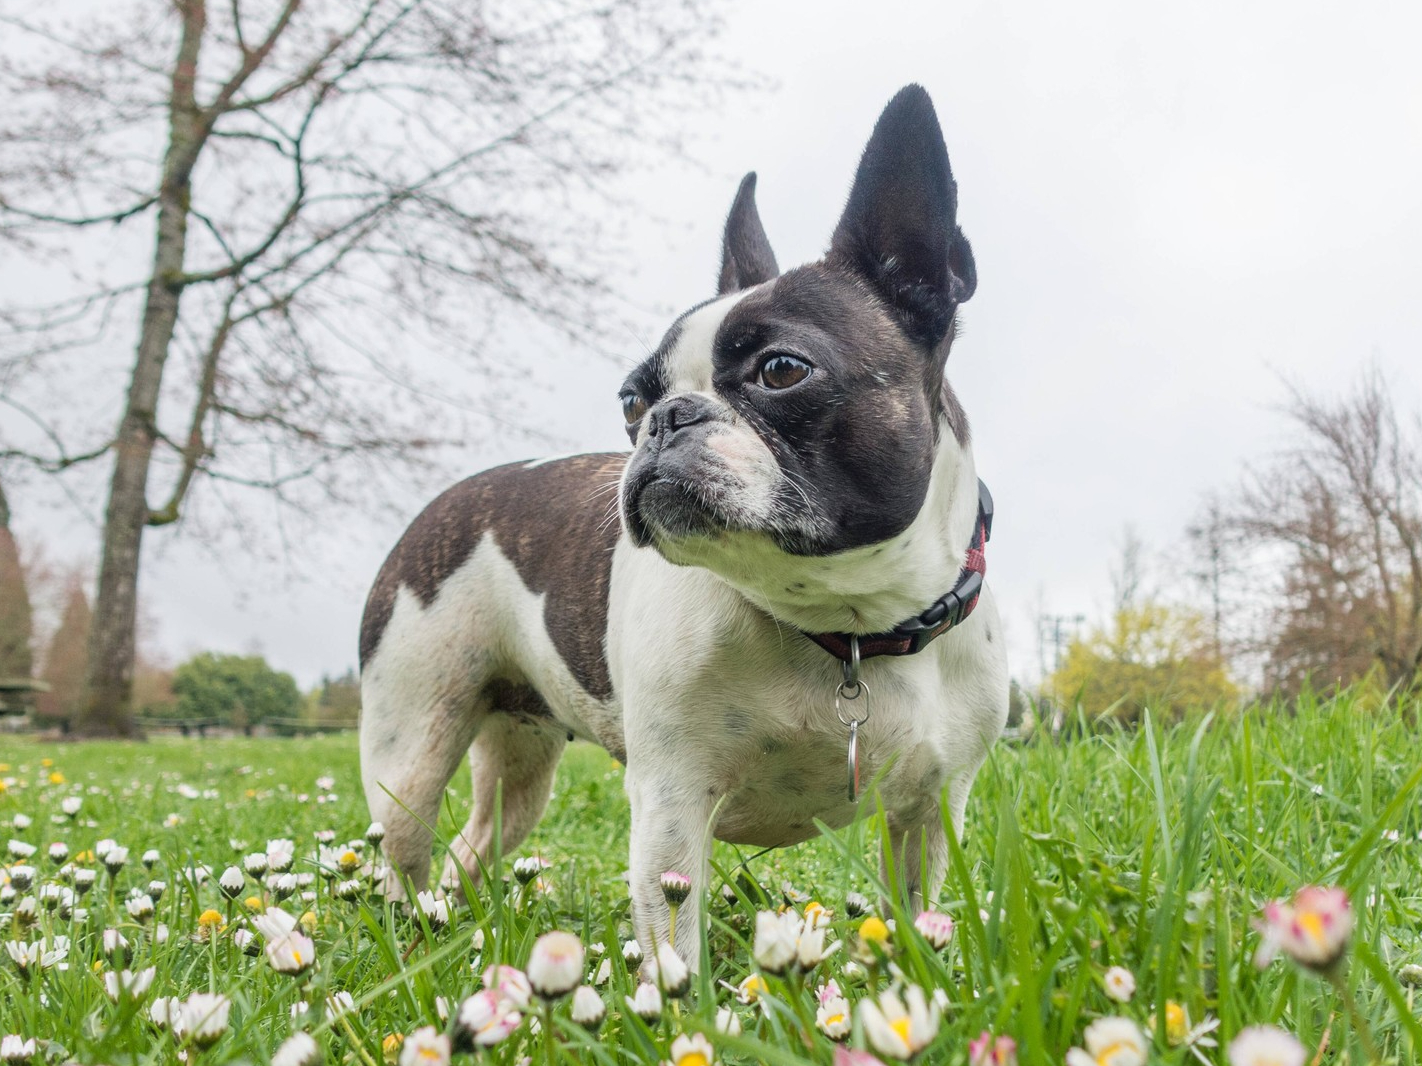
pixel 17 694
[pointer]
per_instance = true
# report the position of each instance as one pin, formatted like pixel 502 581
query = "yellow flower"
pixel 210 919
pixel 251 793
pixel 252 903
pixel 56 778
pixel 390 1046
pixel 84 856
pixel 874 929
pixel 308 921
pixel 1177 1022
pixel 46 763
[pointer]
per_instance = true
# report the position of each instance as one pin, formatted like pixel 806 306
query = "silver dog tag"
pixel 854 761
pixel 848 695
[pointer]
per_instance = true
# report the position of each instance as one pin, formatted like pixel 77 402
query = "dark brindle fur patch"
pixel 556 522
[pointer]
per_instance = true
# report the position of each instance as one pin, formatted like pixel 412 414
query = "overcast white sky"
pixel 1173 207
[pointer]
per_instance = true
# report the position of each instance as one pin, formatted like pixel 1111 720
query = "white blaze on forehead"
pixel 689 363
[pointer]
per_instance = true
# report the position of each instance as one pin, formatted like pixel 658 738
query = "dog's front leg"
pixel 670 832
pixel 920 858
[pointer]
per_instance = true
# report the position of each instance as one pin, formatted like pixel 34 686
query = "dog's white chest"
pixel 776 792
pixel 720 697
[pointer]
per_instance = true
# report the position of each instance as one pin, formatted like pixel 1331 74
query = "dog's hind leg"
pixel 512 763
pixel 409 749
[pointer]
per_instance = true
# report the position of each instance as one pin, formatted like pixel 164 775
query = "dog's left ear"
pixel 899 230
pixel 746 258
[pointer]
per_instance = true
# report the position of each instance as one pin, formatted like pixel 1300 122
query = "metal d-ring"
pixel 850 668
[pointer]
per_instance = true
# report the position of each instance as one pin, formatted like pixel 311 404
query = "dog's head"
pixel 801 413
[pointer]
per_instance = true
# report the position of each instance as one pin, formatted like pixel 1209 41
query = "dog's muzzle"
pixel 670 487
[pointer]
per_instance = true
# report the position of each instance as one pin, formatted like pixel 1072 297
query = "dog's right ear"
pixel 746 258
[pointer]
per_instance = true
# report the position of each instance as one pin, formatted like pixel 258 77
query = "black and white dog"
pixel 799 514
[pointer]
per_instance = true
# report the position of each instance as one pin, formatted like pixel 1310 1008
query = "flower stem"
pixel 1355 1014
pixel 548 1033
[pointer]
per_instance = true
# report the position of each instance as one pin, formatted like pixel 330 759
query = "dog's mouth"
pixel 660 507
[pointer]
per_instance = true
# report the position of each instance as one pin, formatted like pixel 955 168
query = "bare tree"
pixel 1341 513
pixel 1128 572
pixel 329 187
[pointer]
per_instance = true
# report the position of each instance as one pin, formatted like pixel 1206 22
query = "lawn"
pixel 1154 850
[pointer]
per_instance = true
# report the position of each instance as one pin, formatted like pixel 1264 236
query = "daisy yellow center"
pixel 901 1026
pixel 1312 924
pixel 296 954
pixel 1108 1053
pixel 1175 1022
pixel 693 1058
pixel 874 929
pixel 209 917
pixel 835 1019
pixel 430 1053
pixel 349 857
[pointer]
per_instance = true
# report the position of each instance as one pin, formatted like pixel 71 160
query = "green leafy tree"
pixel 239 690
pixel 336 702
pixel 1151 655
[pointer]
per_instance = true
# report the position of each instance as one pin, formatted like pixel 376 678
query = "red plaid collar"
pixel 949 610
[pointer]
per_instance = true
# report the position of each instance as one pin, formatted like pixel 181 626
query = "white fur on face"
pixel 689 364
pixel 740 465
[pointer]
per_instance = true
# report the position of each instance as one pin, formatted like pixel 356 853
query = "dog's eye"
pixel 633 407
pixel 780 371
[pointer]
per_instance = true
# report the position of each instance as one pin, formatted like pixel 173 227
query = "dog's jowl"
pixel 771 611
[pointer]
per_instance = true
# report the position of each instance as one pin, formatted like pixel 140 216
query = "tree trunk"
pixel 108 706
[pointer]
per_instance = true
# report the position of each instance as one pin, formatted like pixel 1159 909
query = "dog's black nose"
pixel 676 413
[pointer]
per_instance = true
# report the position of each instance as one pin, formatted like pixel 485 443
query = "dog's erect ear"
pixel 899 230
pixel 746 258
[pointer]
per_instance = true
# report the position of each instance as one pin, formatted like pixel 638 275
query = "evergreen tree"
pixel 65 664
pixel 16 658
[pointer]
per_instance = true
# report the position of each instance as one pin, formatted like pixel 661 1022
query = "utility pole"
pixel 1057 630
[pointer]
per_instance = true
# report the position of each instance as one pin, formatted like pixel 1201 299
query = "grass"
pixel 1153 849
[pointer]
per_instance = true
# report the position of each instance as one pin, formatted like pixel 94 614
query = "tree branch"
pixel 195 450
pixel 114 217
pixel 49 466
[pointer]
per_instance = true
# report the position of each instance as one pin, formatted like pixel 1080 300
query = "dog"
pixel 751 631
